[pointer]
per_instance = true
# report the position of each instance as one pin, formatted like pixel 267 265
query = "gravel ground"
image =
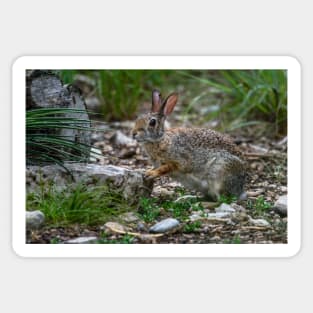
pixel 267 181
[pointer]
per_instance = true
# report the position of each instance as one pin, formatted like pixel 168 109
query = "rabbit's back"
pixel 201 138
pixel 204 160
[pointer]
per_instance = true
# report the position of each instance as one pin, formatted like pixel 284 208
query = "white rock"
pixel 95 154
pixel 195 216
pixel 34 219
pixel 130 183
pixel 209 216
pixel 81 240
pixel 225 208
pixel 259 222
pixel 217 215
pixel 114 227
pixel 281 205
pixel 164 225
pixel 238 208
pixel 162 192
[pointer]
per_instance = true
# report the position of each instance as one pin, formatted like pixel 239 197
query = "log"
pixel 44 89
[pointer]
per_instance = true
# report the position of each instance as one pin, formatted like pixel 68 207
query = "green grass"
pixel 248 96
pixel 227 199
pixel 121 91
pixel 241 97
pixel 259 205
pixel 45 138
pixel 150 209
pixel 234 240
pixel 89 206
pixel 124 239
pixel 55 240
pixel 192 227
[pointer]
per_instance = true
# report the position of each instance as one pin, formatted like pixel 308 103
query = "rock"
pixel 225 208
pixel 209 216
pixel 162 192
pixel 129 217
pixel 281 206
pixel 217 215
pixel 34 219
pixel 238 208
pixel 113 227
pixel 239 217
pixel 131 184
pixel 119 139
pixel 196 216
pixel 141 227
pixel 164 225
pixel 95 155
pixel 259 222
pixel 82 240
pixel 284 188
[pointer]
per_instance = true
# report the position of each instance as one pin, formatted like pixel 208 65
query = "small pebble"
pixel 81 240
pixel 259 222
pixel 164 225
pixel 34 219
pixel 281 206
pixel 225 208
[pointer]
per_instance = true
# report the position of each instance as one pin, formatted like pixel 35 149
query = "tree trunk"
pixel 44 89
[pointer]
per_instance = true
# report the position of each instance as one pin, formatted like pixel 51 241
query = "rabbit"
pixel 201 159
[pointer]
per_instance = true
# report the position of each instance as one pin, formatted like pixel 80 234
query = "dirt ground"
pixel 267 180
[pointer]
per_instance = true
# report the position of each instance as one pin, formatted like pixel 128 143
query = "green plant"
pixel 251 96
pixel 45 142
pixel 148 209
pixel 234 240
pixel 121 91
pixel 181 209
pixel 68 76
pixel 80 204
pixel 226 199
pixel 125 239
pixel 192 227
pixel 197 206
pixel 55 240
pixel 259 205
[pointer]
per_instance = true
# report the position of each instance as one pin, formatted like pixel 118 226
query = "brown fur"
pixel 200 158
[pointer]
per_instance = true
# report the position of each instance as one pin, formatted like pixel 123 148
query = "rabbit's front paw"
pixel 151 174
pixel 162 170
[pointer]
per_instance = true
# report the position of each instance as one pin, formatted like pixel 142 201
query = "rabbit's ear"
pixel 169 104
pixel 156 101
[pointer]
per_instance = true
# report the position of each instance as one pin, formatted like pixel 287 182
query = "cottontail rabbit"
pixel 201 159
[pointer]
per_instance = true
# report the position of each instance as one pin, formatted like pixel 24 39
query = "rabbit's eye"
pixel 152 122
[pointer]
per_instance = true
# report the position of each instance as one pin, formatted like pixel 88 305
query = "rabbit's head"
pixel 150 127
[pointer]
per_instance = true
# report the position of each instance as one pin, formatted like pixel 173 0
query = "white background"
pixel 159 28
